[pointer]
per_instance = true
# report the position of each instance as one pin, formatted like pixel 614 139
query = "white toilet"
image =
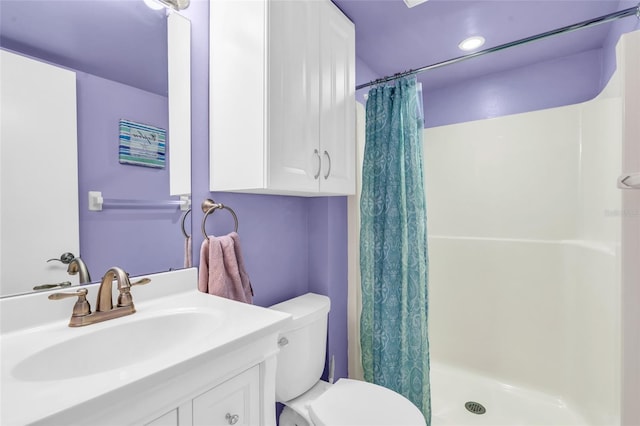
pixel 311 401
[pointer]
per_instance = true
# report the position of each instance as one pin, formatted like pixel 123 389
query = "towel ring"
pixel 209 206
pixel 184 216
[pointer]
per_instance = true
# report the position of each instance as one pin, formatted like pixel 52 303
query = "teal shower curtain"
pixel 393 245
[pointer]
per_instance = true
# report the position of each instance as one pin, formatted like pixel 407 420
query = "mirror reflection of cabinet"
pixel 179 76
pixel 282 117
pixel 38 151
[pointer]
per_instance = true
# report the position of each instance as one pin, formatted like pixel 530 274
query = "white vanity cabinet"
pixel 233 402
pixel 237 388
pixel 282 98
pixel 184 358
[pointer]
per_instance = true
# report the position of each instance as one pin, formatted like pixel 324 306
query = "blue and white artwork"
pixel 142 145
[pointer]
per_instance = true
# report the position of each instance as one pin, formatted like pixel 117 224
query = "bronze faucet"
pixel 75 265
pixel 82 314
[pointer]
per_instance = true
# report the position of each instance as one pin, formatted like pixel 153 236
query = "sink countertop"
pixel 28 399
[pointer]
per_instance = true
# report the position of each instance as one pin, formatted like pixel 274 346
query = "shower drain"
pixel 475 407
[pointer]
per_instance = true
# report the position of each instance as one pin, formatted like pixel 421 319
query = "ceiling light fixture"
pixel 171 4
pixel 153 4
pixel 411 3
pixel 471 43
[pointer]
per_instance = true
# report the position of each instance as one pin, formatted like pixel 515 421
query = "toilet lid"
pixel 353 402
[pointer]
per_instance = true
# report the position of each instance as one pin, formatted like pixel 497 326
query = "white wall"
pixel 629 66
pixel 524 250
pixel 509 177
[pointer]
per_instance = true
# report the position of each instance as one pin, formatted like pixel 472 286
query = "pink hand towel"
pixel 222 270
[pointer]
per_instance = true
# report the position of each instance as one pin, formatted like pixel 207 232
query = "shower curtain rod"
pixel 570 28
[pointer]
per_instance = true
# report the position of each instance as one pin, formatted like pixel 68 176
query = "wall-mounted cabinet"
pixel 282 98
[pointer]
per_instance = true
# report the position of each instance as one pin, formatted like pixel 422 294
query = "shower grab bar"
pixel 97 203
pixel 630 181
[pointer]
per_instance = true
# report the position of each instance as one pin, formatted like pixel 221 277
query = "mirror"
pixel 127 71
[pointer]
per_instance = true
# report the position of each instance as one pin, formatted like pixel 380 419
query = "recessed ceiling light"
pixel 471 43
pixel 411 3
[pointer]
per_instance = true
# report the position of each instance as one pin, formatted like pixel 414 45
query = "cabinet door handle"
pixel 232 418
pixel 326 176
pixel 317 154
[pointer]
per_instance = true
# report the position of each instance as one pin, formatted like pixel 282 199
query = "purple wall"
pixel 564 81
pixel 122 41
pixel 274 235
pixel 328 270
pixel 127 238
pixel 292 245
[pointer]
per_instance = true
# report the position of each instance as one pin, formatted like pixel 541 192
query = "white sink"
pixel 51 373
pixel 117 345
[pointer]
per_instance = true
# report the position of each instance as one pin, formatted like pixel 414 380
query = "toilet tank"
pixel 303 345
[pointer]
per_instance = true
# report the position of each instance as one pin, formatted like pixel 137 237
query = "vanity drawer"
pixel 234 402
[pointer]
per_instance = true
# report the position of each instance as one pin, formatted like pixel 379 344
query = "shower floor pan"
pixel 460 397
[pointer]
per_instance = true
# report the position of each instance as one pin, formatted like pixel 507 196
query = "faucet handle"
pixel 80 293
pixel 125 298
pixel 53 285
pixel 65 258
pixel 82 307
pixel 141 281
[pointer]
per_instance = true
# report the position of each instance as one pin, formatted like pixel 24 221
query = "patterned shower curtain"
pixel 393 245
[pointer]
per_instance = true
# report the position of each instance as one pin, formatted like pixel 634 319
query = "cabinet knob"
pixel 232 418
pixel 326 176
pixel 317 154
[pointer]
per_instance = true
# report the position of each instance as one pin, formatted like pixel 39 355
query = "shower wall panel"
pixel 524 220
pixel 507 177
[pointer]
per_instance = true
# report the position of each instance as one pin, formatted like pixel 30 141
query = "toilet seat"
pixel 353 402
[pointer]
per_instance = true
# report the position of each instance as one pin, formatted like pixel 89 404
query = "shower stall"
pixel 524 241
pixel 527 269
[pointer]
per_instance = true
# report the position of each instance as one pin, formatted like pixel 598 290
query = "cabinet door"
pixel 337 101
pixel 234 402
pixel 294 158
pixel 179 87
pixel 38 129
pixel 237 94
